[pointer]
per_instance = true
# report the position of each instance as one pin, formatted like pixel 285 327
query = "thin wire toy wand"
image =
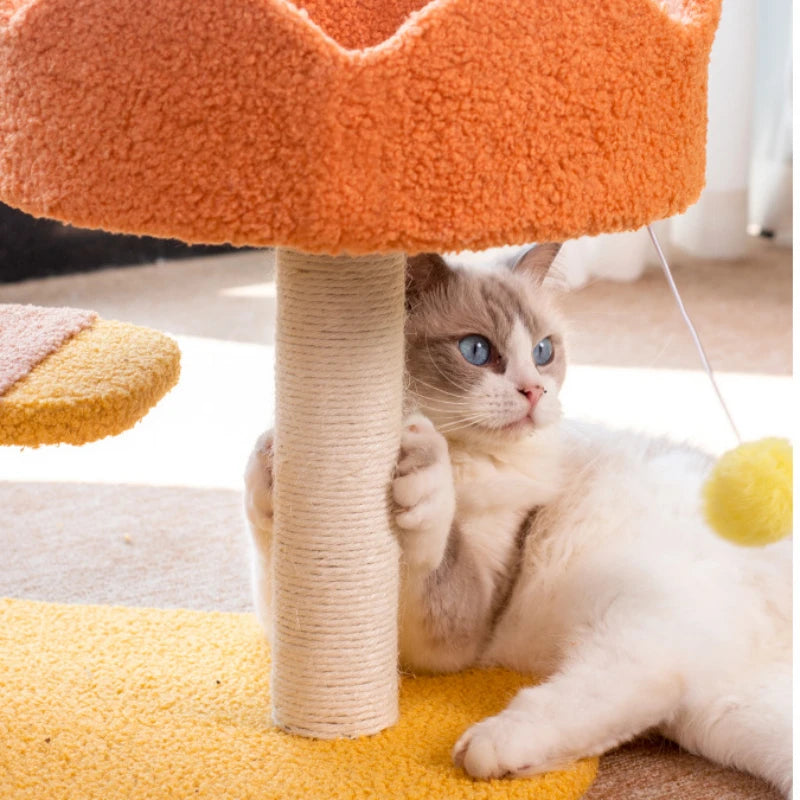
pixel 747 498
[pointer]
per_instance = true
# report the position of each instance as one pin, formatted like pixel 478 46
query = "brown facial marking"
pixel 438 363
pixel 513 303
pixel 424 272
pixel 462 303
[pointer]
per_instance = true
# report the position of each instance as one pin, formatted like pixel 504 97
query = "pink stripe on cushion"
pixel 30 333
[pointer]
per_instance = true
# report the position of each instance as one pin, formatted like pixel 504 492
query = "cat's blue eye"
pixel 543 352
pixel 476 349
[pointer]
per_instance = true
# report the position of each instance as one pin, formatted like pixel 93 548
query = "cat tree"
pixel 349 133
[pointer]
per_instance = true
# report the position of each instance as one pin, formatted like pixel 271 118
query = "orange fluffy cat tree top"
pixel 364 127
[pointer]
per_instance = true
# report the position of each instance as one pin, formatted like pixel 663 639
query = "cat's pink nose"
pixel 533 393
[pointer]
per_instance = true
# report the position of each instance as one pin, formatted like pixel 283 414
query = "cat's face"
pixel 484 352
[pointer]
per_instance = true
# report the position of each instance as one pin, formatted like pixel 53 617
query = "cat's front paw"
pixel 423 492
pixel 503 746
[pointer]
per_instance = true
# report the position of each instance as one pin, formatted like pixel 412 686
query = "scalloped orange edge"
pixel 476 123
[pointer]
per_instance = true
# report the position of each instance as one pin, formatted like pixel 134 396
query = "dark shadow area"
pixel 36 248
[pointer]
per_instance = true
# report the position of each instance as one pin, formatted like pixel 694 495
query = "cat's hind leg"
pixel 747 724
pixel 258 509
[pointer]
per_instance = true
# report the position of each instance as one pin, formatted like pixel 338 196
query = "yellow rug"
pixel 101 702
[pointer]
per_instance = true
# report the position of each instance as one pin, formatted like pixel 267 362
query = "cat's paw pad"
pixel 258 478
pixel 423 491
pixel 499 747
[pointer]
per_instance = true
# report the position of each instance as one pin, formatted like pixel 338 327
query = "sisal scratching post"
pixel 339 382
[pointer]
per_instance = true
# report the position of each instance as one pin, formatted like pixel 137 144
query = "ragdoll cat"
pixel 570 551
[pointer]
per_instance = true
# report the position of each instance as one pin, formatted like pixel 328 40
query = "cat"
pixel 567 550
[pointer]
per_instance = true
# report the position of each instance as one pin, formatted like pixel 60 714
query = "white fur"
pixel 496 487
pixel 638 615
pixel 641 617
pixel 633 611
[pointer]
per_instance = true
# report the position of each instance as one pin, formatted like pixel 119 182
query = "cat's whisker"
pixel 452 413
pixel 453 428
pixel 475 415
pixel 462 423
pixel 447 399
pixel 430 401
pixel 435 388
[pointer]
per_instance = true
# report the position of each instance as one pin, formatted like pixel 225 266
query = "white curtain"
pixel 749 154
pixel 771 167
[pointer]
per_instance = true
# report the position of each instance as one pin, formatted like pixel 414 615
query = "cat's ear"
pixel 536 262
pixel 424 272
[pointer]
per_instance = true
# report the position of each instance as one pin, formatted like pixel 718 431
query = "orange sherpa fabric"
pixel 98 383
pixel 354 125
pixel 101 703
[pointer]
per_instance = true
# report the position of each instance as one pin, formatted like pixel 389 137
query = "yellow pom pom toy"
pixel 748 496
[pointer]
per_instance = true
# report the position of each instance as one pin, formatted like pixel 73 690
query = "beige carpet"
pixel 151 518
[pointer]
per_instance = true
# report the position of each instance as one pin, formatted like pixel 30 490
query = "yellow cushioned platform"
pixel 100 702
pixel 99 383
